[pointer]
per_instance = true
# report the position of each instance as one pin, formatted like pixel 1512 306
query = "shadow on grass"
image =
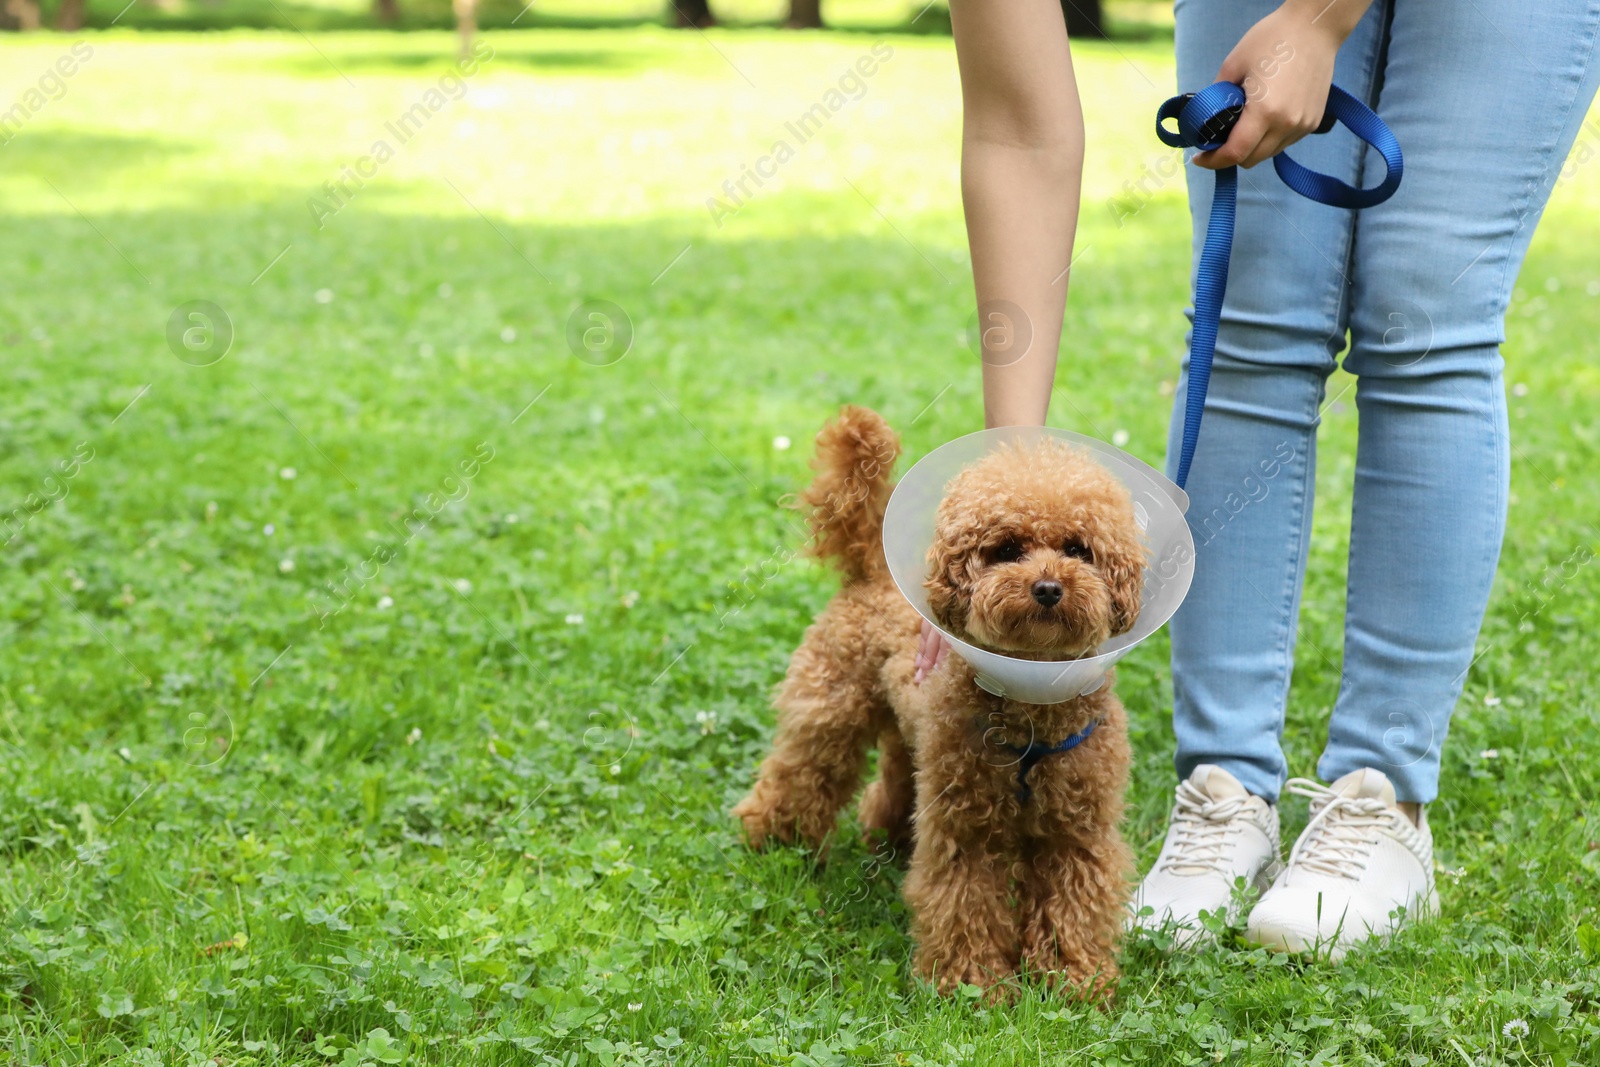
pixel 69 152
pixel 521 54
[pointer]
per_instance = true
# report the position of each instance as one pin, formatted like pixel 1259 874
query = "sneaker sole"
pixel 1293 942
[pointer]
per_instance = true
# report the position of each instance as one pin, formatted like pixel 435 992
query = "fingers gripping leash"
pixel 1205 119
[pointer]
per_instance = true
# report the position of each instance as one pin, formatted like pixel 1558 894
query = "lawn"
pixel 383 648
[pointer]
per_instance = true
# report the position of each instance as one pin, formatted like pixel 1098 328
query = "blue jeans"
pixel 1486 100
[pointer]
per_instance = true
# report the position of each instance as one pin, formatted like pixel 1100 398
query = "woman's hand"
pixel 930 652
pixel 1285 65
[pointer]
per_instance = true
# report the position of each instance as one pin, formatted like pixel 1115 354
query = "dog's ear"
pixel 1123 572
pixel 949 584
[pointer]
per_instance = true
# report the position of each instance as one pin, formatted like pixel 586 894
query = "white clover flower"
pixel 781 443
pixel 269 529
pixel 707 721
pixel 1491 700
pixel 1489 753
pixel 508 334
pixel 288 474
pixel 575 619
pixel 462 586
pixel 1119 438
pixel 385 603
pixel 286 566
pixel 634 1007
pixel 414 736
pixel 630 598
pixel 1516 1028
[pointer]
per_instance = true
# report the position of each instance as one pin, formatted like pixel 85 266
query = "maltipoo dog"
pixel 1011 810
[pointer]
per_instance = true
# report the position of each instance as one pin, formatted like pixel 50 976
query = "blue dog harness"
pixel 1030 754
pixel 1204 121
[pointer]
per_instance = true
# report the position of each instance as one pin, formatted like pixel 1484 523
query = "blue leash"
pixel 1031 753
pixel 1204 121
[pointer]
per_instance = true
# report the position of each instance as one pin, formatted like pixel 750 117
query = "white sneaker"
pixel 1219 833
pixel 1358 860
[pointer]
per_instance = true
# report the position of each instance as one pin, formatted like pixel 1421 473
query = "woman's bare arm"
pixel 1021 168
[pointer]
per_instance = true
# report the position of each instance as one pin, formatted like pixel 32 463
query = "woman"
pixel 1486 101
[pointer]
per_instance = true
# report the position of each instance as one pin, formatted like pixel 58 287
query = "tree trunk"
pixel 386 10
pixel 1084 18
pixel 696 13
pixel 807 14
pixel 69 17
pixel 20 15
pixel 466 23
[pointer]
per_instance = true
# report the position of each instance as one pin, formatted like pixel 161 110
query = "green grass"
pixel 482 809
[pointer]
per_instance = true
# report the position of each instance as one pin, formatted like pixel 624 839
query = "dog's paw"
pixel 762 823
pixel 772 815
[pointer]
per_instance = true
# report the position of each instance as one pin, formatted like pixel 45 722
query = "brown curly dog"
pixel 1017 864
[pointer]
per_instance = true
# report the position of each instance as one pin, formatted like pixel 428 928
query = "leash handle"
pixel 1204 121
pixel 1362 121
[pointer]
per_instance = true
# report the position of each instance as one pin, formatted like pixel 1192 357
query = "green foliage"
pixel 477 814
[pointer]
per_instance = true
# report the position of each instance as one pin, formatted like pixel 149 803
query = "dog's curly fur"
pixel 998 883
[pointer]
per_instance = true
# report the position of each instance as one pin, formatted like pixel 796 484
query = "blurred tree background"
pixel 1125 19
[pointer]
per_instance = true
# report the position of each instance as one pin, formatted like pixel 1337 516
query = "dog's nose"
pixel 1047 591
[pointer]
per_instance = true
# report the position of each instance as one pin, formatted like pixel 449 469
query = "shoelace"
pixel 1202 831
pixel 1339 839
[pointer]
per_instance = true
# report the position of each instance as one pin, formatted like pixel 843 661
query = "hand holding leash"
pixel 1284 64
pixel 1205 119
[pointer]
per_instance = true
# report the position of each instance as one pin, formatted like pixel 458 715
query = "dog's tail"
pixel 855 455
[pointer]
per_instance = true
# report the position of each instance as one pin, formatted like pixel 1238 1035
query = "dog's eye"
pixel 1078 550
pixel 1005 552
